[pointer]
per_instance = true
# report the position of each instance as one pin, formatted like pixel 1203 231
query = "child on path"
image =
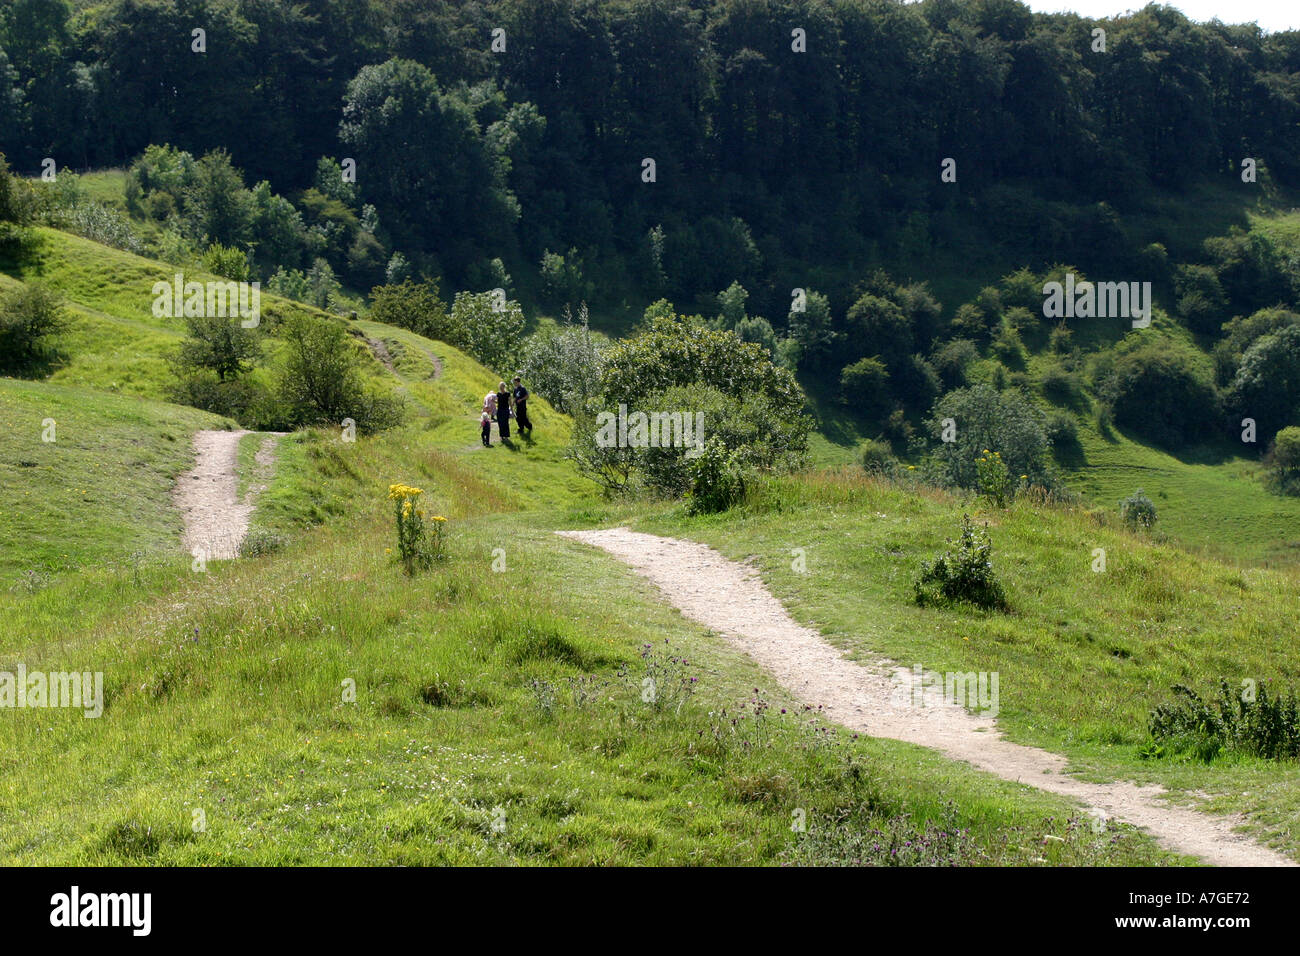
pixel 485 426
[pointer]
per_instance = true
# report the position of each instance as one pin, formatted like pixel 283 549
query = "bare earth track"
pixel 207 495
pixel 732 600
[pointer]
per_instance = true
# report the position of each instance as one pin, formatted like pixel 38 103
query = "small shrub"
pixel 962 575
pixel 1284 462
pixel 1138 511
pixel 864 839
pixel 878 459
pixel 258 543
pixel 1261 725
pixel 29 316
pixel 1063 434
pixel 716 479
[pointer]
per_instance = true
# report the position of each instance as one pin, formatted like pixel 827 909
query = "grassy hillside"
pixel 1083 656
pixel 100 489
pixel 115 342
pixel 318 706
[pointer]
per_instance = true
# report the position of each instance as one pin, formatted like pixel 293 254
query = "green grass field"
pixel 315 705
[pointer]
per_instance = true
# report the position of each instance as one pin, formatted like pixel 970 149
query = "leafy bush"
pixel 877 458
pixel 674 351
pixel 226 261
pixel 877 323
pixel 1138 511
pixel 1063 433
pixel 1259 724
pixel 951 361
pixel 1284 462
pixel 17 202
pixel 864 387
pixel 416 306
pixel 564 366
pixel 493 330
pixel 1160 391
pixel 986 418
pixel 1267 384
pixel 962 575
pixel 1008 349
pixel 1061 387
pixel 29 316
pixel 1061 339
pixel 244 399
pixel 219 345
pixel 320 381
pixel 716 479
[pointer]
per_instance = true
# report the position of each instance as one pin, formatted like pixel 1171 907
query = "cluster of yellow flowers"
pixel 407 494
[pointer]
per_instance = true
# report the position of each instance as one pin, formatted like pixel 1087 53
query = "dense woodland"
pixel 797 144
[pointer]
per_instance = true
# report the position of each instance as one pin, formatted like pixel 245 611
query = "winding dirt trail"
pixel 879 699
pixel 208 494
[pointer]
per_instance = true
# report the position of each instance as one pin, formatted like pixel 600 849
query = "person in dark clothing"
pixel 521 408
pixel 503 411
pixel 485 428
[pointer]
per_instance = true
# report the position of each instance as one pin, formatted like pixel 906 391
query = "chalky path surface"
pixel 732 600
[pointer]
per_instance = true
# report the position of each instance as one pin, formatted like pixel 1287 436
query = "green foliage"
pixel 864 387
pixel 320 382
pixel 878 324
pixel 1284 461
pixel 877 458
pixel 30 315
pixel 220 345
pixel 813 329
pixel 493 329
pixel 317 286
pixel 951 360
pixel 963 574
pixel 717 481
pixel 16 200
pixel 731 305
pixel 674 351
pixel 1138 511
pixel 1267 384
pixel 1061 387
pixel 562 281
pixel 747 426
pixel 1162 391
pixel 986 419
pixel 564 365
pixel 1062 433
pixel 226 261
pixel 1252 722
pixel 416 306
pixel 1241 333
pixel 1008 349
pixel 244 399
pixel 995 482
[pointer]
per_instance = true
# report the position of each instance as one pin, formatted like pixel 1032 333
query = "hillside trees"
pixel 30 316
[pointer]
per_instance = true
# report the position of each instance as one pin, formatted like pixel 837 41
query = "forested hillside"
pixel 795 143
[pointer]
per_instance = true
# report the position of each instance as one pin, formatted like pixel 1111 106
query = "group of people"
pixel 502 405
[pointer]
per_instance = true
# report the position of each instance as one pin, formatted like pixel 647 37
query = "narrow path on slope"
pixel 877 699
pixel 208 494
